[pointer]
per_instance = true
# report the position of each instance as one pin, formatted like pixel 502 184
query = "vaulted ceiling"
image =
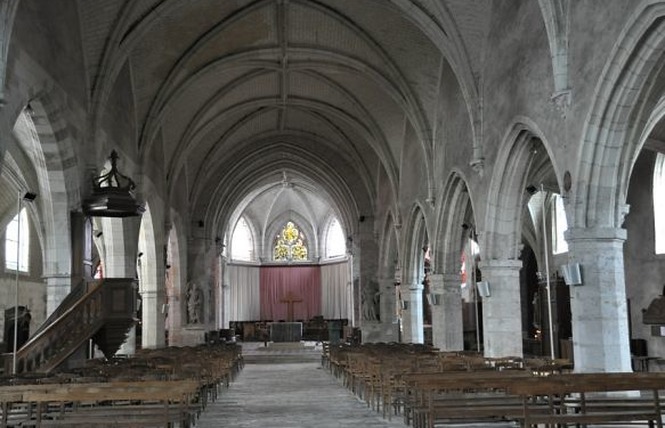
pixel 230 95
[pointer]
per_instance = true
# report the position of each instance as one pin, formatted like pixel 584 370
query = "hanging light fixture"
pixel 112 194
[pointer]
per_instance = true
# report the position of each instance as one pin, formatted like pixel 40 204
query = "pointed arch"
pixel 389 258
pixel 417 233
pixel 520 164
pixel 619 119
pixel 455 212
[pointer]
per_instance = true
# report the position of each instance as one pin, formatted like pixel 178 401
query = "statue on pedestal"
pixel 370 302
pixel 194 304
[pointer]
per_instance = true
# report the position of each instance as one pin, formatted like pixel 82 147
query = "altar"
pixel 286 331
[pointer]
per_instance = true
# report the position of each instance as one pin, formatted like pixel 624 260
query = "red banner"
pixel 290 291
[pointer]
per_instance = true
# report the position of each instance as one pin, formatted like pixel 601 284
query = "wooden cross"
pixel 290 300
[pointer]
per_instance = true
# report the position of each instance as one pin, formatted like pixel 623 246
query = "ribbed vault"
pixel 234 84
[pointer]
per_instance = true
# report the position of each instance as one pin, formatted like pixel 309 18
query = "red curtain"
pixel 280 283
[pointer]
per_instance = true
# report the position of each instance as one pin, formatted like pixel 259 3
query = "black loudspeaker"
pixel 638 347
pixel 23 328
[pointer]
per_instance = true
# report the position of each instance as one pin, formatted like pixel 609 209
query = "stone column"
pixel 201 257
pixel 447 325
pixel 387 312
pixel 226 294
pixel 153 335
pixel 121 236
pixel 502 310
pixel 412 316
pixel 601 341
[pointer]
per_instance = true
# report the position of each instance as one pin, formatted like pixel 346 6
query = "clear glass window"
pixel 559 225
pixel 17 243
pixel 335 240
pixel 659 203
pixel 242 244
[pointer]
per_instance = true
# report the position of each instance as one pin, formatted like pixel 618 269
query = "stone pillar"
pixel 58 287
pixel 152 334
pixel 201 256
pixel 412 316
pixel 387 312
pixel 121 238
pixel 601 341
pixel 226 294
pixel 447 325
pixel 502 310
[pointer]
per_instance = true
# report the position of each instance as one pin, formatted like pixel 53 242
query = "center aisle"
pixel 289 396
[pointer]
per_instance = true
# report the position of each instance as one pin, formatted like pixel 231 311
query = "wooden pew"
pixel 146 389
pixel 592 398
pixel 462 397
pixel 121 403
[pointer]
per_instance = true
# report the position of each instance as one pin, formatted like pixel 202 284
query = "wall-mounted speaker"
pixel 572 273
pixel 483 288
pixel 434 299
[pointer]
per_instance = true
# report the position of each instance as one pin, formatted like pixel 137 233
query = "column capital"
pixel 501 265
pixel 48 275
pixel 147 294
pixel 445 283
pixel 411 287
pixel 446 278
pixel 597 234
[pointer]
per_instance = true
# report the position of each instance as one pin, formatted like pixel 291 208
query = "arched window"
pixel 242 244
pixel 659 203
pixel 559 225
pixel 17 243
pixel 335 240
pixel 290 244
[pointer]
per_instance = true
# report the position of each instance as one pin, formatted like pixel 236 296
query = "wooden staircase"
pixel 102 310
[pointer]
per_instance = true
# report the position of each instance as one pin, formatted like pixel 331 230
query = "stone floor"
pixel 289 395
pixel 293 394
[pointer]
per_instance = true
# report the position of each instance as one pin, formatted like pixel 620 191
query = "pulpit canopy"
pixel 112 194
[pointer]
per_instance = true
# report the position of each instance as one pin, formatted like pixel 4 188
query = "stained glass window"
pixel 290 244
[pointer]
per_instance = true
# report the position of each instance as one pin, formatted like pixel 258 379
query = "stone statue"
pixel 370 299
pixel 537 310
pixel 194 304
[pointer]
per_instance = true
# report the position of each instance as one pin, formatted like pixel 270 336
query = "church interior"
pixel 478 177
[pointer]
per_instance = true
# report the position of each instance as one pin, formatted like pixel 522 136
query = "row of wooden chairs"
pixel 378 373
pixel 429 387
pixel 159 387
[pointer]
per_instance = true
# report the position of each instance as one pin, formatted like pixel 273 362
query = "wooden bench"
pixel 591 398
pixel 122 403
pixel 462 397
